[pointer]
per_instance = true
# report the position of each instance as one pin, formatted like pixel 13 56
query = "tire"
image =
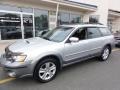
pixel 105 53
pixel 46 70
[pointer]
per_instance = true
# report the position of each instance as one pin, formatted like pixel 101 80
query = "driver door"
pixel 76 50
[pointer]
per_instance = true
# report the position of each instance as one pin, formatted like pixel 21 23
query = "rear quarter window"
pixel 105 31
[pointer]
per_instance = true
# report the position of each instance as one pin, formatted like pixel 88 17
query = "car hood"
pixel 30 44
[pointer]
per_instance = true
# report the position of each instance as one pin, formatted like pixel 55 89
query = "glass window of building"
pixel 94 19
pixel 28 25
pixel 10 26
pixel 41 20
pixel 75 18
pixel 69 18
pixel 63 18
pixel 28 10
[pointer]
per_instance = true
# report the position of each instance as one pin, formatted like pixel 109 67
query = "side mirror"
pixel 74 39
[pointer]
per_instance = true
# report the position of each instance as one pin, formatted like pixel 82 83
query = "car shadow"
pixel 79 65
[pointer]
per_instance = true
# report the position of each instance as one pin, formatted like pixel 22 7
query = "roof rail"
pixel 92 23
pixel 82 23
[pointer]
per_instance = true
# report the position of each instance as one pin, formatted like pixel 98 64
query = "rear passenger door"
pixel 94 38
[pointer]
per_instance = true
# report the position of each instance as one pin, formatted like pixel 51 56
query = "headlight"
pixel 19 58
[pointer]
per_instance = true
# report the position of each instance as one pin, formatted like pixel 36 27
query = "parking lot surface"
pixel 88 75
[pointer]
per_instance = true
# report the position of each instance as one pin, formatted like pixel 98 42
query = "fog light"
pixel 12 74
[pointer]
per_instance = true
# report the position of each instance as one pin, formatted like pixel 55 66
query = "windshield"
pixel 58 34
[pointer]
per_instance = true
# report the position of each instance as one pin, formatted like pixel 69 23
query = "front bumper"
pixel 16 69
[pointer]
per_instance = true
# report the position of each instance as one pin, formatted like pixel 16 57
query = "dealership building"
pixel 21 19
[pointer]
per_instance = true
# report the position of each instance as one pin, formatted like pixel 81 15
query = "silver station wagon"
pixel 43 57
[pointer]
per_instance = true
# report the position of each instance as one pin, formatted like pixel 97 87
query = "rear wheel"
pixel 105 53
pixel 46 70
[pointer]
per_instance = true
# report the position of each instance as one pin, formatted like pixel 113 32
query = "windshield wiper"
pixel 46 38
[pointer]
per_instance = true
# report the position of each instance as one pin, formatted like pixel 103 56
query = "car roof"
pixel 83 25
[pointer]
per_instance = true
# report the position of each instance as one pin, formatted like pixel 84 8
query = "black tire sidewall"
pixel 36 71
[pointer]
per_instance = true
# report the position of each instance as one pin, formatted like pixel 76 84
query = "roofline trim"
pixel 82 3
pixel 114 12
pixel 73 4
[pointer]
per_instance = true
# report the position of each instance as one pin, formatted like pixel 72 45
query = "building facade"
pixel 21 19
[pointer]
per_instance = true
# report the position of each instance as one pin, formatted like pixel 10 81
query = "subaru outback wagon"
pixel 42 57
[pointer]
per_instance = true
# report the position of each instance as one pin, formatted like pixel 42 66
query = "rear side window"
pixel 93 32
pixel 105 31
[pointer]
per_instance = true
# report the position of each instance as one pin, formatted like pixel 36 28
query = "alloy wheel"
pixel 106 53
pixel 47 71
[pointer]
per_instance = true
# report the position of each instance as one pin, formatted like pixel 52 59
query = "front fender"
pixel 39 58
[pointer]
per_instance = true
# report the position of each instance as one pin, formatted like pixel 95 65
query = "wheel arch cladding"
pixel 57 58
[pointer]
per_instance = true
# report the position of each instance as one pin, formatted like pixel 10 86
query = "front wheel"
pixel 46 70
pixel 105 53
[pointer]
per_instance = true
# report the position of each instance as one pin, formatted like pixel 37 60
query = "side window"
pixel 93 32
pixel 80 33
pixel 105 31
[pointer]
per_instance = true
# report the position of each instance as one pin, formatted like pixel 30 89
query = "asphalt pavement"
pixel 88 75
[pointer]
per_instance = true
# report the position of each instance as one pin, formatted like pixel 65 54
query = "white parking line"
pixel 6 80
